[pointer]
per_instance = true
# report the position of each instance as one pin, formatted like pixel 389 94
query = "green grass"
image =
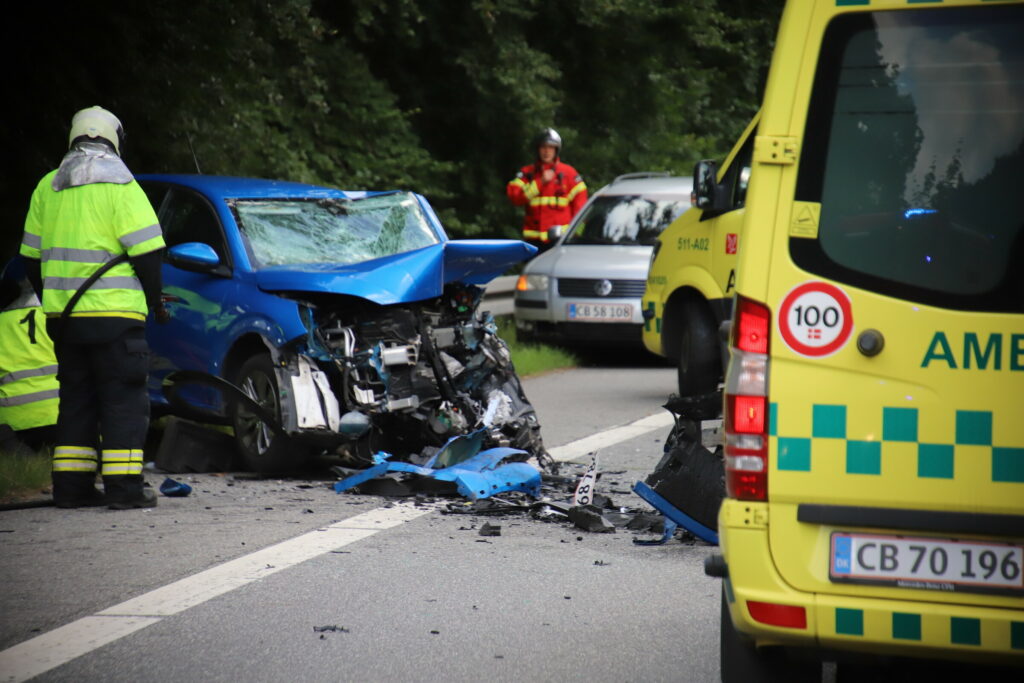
pixel 531 359
pixel 23 476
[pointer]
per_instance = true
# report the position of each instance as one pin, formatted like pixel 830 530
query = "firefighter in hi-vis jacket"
pixel 84 215
pixel 552 192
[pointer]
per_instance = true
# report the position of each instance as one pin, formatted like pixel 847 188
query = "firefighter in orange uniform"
pixel 552 192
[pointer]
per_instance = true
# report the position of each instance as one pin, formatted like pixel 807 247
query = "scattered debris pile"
pixel 495 483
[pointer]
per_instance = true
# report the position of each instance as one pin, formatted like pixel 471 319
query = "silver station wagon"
pixel 585 291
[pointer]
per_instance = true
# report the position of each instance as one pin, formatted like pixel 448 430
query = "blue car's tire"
pixel 261 449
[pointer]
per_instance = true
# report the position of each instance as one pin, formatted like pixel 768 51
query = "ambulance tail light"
pixel 746 403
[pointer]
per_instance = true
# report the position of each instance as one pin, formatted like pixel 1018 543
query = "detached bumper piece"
pixel 475 474
pixel 688 485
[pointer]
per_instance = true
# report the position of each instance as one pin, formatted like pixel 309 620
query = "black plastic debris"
pixel 688 484
pixel 388 486
pixel 490 529
pixel 691 478
pixel 589 518
pixel 330 629
pixel 651 522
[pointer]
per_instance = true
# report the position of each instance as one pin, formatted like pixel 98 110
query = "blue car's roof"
pixel 228 187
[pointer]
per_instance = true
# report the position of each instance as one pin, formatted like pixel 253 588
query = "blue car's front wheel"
pixel 262 449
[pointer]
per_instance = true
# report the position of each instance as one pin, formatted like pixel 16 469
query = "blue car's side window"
pixel 188 218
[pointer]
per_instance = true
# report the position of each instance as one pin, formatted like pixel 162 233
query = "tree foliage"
pixel 436 96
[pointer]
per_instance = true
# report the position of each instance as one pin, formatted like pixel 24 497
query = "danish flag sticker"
pixel 815 319
pixel 732 242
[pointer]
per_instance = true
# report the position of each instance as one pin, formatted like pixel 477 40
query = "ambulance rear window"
pixel 915 149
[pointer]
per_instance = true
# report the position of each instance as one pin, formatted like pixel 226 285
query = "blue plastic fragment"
pixel 457 449
pixel 174 489
pixel 479 476
pixel 369 473
pixel 675 514
pixel 666 536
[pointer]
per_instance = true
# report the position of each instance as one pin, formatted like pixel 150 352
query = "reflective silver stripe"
pixel 32 240
pixel 114 470
pixel 140 236
pixel 74 450
pixel 77 255
pixel 29 398
pixel 22 374
pixel 73 283
pixel 100 314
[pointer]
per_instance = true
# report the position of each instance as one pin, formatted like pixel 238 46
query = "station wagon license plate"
pixel 600 312
pixel 928 563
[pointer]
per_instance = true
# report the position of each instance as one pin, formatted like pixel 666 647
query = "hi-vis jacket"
pixel 28 367
pixel 547 204
pixel 75 230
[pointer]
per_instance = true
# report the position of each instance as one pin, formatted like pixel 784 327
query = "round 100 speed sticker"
pixel 815 319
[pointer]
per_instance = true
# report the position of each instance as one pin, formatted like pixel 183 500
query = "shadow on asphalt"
pixel 620 358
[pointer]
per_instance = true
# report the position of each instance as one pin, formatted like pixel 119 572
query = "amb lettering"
pixel 976 352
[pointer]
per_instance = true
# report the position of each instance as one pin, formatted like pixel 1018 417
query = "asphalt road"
pixel 239 580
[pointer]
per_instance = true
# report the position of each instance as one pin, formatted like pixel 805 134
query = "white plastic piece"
pixel 711 434
pixel 398 355
pixel 410 402
pixel 453 366
pixel 312 395
pixel 363 396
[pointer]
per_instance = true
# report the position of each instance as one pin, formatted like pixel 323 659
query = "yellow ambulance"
pixel 692 276
pixel 874 399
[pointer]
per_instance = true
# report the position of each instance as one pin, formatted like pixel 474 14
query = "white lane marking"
pixel 54 648
pixel 50 650
pixel 610 437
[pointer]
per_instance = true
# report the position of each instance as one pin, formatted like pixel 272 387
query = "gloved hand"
pixel 162 315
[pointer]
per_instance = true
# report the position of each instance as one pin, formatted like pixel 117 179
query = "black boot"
pixel 126 492
pixel 76 490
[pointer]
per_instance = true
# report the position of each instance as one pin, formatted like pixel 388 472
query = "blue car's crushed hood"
pixel 412 276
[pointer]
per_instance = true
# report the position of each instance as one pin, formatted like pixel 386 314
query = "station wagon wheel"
pixel 262 449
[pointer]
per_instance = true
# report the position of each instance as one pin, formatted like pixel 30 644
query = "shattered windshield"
pixel 344 231
pixel 627 219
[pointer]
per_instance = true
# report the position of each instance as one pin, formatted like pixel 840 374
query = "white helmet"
pixel 97 122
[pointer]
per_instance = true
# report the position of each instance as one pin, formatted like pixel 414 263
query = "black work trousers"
pixel 103 399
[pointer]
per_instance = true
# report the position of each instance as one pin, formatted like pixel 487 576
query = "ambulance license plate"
pixel 928 563
pixel 600 312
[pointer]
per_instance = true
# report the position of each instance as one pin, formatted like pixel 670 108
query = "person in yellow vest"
pixel 82 215
pixel 28 367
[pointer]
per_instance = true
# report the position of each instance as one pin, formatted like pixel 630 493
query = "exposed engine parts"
pixel 403 378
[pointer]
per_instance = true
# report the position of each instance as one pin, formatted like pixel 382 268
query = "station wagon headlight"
pixel 532 283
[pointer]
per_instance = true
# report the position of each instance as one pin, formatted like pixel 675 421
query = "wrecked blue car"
pixel 313 319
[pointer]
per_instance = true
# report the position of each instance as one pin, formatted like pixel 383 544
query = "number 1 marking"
pixel 30 318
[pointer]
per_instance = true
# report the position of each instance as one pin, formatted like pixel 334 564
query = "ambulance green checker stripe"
pixel 934 460
pixel 907 626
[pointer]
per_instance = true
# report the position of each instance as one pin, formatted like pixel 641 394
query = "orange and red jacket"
pixel 547 204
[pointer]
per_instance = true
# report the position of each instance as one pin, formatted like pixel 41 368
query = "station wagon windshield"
pixel 344 231
pixel 626 219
